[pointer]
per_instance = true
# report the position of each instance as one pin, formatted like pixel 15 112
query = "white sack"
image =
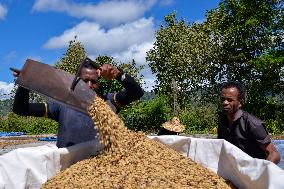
pixel 228 161
pixel 30 167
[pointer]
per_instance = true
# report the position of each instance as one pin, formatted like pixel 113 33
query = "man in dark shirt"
pixel 241 128
pixel 74 126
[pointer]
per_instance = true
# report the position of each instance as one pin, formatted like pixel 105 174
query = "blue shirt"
pixel 74 126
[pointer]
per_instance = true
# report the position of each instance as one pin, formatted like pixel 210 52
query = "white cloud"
pixel 166 2
pixel 8 58
pixel 3 12
pixel 149 84
pixel 124 43
pixel 200 21
pixel 149 79
pixel 136 52
pixel 109 13
pixel 51 5
pixel 5 90
pixel 113 28
pixel 97 40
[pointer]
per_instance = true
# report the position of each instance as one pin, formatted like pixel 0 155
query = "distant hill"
pixel 5 106
pixel 148 96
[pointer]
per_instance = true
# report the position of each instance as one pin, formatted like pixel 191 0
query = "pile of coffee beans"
pixel 131 160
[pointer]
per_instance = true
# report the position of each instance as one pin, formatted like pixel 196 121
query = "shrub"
pixel 274 126
pixel 28 125
pixel 199 118
pixel 271 111
pixel 147 116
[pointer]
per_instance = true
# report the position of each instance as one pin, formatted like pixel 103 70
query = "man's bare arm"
pixel 273 154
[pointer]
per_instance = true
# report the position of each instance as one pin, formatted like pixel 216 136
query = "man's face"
pixel 90 77
pixel 229 101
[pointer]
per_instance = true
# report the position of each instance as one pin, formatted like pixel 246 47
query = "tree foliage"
pixel 250 34
pixel 147 116
pixel 182 54
pixel 72 57
pixel 251 41
pixel 29 125
pixel 239 40
pixel 5 106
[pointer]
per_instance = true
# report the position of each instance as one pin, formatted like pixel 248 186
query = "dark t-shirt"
pixel 247 133
pixel 74 126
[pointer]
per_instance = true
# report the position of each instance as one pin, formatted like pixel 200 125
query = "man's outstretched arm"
pixel 22 106
pixel 132 90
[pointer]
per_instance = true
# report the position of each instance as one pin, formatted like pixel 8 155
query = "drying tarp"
pixel 228 161
pixel 31 167
pixel 28 167
pixel 4 134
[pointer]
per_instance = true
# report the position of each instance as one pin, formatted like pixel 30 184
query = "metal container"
pixel 56 84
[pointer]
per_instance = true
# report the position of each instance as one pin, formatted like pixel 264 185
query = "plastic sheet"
pixel 279 144
pixel 11 134
pixel 28 167
pixel 47 139
pixel 228 161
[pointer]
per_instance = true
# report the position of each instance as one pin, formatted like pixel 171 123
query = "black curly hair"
pixel 238 85
pixel 88 63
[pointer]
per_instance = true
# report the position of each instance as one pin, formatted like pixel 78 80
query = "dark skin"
pixel 231 104
pixel 91 76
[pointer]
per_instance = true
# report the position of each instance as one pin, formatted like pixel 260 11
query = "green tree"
pixel 231 44
pixel 250 38
pixel 5 106
pixel 239 40
pixel 182 54
pixel 73 57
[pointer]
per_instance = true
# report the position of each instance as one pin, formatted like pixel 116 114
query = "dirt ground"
pixel 8 144
pixel 277 137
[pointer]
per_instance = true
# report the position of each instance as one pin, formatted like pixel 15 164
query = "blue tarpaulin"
pixel 11 134
pixel 279 144
pixel 48 139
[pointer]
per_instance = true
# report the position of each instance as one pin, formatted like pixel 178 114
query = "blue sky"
pixel 124 29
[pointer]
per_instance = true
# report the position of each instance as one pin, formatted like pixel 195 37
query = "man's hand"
pixel 108 71
pixel 272 153
pixel 16 72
